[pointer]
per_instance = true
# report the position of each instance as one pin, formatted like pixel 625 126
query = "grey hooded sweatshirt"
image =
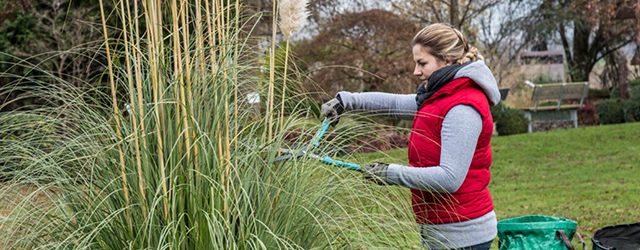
pixel 461 129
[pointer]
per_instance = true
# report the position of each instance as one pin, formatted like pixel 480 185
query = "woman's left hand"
pixel 377 173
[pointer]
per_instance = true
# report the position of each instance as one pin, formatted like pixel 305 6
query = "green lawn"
pixel 590 175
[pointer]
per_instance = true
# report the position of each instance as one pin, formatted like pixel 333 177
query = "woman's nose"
pixel 417 72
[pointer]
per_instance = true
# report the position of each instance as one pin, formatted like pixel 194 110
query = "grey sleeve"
pixel 460 132
pixel 402 106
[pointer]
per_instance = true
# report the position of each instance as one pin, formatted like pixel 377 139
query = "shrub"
pixel 496 111
pixel 615 92
pixel 60 38
pixel 634 91
pixel 632 109
pixel 511 121
pixel 611 111
pixel 588 115
pixel 598 94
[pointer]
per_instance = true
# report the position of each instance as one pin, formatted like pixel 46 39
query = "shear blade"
pixel 288 156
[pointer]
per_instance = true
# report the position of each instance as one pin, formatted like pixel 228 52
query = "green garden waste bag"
pixel 536 232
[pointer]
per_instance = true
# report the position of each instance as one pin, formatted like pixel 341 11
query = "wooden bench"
pixel 560 92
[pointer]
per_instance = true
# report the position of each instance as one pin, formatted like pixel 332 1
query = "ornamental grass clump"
pixel 293 17
pixel 187 165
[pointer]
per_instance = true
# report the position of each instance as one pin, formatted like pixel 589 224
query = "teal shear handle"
pixel 351 166
pixel 315 141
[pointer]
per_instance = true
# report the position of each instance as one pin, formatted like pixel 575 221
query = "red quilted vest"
pixel 472 199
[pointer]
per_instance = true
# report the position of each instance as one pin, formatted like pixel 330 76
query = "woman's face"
pixel 426 63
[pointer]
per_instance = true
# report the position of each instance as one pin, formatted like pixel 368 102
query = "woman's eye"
pixel 422 64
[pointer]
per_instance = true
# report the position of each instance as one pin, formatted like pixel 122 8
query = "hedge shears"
pixel 315 143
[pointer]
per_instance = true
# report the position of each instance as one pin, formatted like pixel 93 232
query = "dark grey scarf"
pixel 436 81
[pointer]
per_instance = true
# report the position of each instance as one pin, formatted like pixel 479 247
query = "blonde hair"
pixel 447 44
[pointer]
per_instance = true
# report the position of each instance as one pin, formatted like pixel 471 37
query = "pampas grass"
pixel 188 168
pixel 115 111
pixel 272 73
pixel 293 17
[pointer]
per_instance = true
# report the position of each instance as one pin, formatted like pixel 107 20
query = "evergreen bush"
pixel 509 120
pixel 632 109
pixel 611 111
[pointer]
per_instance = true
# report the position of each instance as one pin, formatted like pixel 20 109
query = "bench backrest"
pixel 559 92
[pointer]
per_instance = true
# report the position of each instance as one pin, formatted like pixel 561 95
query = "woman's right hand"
pixel 332 110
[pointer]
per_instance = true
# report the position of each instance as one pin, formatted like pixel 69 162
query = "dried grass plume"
pixel 293 16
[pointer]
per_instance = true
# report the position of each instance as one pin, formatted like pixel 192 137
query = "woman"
pixel 449 147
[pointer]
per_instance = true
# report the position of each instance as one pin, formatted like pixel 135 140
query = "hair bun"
pixel 471 56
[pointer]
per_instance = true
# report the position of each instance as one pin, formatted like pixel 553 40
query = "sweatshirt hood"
pixel 481 74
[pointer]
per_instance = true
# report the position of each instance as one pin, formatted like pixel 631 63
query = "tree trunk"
pixel 581 62
pixel 579 68
pixel 453 13
pixel 623 74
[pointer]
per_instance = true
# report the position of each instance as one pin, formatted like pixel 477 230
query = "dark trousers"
pixel 481 246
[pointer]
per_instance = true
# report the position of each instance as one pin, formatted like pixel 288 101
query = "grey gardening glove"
pixel 377 173
pixel 333 109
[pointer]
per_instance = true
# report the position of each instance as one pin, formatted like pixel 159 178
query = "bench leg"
pixel 574 117
pixel 527 115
